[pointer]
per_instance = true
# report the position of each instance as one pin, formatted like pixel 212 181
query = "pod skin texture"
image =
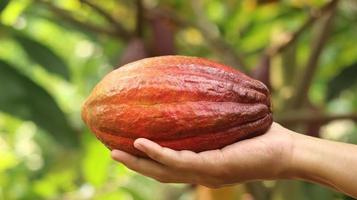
pixel 180 102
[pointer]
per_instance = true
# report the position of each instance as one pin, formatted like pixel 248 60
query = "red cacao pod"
pixel 179 102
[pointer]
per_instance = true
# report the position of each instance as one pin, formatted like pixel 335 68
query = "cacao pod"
pixel 184 103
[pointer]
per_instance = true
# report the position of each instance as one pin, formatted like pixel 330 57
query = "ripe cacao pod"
pixel 184 103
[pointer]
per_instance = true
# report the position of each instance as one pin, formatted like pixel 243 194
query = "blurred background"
pixel 53 52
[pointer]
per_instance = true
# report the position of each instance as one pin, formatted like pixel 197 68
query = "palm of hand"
pixel 262 157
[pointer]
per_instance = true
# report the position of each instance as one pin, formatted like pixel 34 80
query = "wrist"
pixel 321 161
pixel 302 157
pixel 296 163
pixel 285 145
pixel 307 160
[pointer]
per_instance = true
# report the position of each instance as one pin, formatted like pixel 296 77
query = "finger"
pixel 140 165
pixel 147 167
pixel 187 160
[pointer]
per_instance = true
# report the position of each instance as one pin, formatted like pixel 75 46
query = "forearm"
pixel 326 162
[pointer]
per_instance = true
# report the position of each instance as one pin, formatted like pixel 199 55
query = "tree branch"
pixel 209 31
pixel 118 27
pixel 216 43
pixel 314 15
pixel 312 63
pixel 139 18
pixel 308 117
pixel 66 15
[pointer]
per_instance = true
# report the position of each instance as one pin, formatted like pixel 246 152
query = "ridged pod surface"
pixel 180 102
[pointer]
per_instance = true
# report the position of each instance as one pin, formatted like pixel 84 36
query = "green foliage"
pixel 344 80
pixel 23 98
pixel 43 55
pixel 52 53
pixel 3 4
pixel 95 164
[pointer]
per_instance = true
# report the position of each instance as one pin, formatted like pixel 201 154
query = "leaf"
pixel 22 97
pixel 43 55
pixel 344 80
pixel 313 191
pixel 94 165
pixel 3 4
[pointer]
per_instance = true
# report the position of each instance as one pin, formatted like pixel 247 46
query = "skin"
pixel 278 154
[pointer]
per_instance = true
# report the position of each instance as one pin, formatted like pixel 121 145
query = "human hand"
pixel 263 157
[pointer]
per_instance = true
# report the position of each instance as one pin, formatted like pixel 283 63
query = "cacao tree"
pixel 52 54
